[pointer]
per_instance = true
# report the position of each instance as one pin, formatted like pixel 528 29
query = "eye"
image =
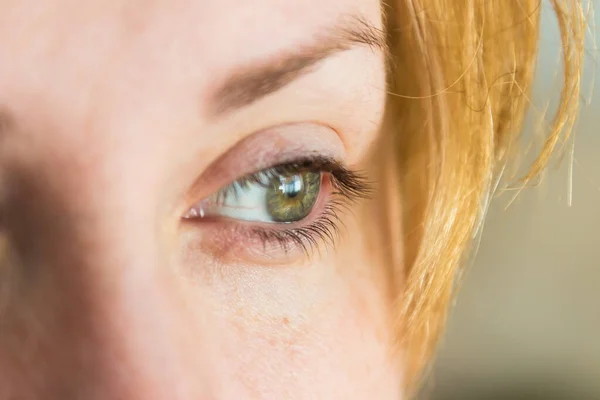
pixel 268 196
pixel 294 205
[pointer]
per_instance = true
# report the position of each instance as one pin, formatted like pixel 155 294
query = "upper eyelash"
pixel 348 187
pixel 350 184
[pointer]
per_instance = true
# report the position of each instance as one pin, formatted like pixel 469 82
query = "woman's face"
pixel 151 249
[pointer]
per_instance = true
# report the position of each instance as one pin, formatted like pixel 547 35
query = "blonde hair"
pixel 461 74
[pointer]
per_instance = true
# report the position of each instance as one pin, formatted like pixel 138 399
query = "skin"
pixel 109 137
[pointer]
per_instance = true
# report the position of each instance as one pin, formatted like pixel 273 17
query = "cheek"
pixel 299 331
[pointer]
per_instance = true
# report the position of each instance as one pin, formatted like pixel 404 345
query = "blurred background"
pixel 526 321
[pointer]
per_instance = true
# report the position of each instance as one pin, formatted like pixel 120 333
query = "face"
pixel 182 202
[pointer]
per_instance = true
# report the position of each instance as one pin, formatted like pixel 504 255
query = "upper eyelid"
pixel 323 164
pixel 307 163
pixel 279 144
pixel 274 147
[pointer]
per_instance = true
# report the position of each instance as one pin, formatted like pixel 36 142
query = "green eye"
pixel 290 198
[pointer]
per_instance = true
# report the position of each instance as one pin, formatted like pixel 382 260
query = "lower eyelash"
pixel 324 229
pixel 346 187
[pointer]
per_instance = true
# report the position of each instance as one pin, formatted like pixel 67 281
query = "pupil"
pixel 291 186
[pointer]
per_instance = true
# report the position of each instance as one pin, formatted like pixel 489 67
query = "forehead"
pixel 81 64
pixel 73 38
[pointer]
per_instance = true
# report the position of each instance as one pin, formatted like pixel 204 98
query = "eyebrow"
pixel 251 83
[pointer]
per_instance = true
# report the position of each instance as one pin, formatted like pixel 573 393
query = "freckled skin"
pixel 101 294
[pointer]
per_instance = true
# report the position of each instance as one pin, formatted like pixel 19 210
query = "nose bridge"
pixel 67 218
pixel 97 305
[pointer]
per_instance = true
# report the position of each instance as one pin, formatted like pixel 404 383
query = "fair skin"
pixel 119 118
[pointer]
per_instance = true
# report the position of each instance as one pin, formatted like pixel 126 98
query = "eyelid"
pixel 269 147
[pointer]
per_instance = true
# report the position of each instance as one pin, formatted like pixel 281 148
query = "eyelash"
pixel 346 187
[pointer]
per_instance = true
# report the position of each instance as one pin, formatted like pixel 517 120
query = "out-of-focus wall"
pixel 526 324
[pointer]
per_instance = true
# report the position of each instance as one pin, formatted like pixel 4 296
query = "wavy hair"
pixel 461 72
